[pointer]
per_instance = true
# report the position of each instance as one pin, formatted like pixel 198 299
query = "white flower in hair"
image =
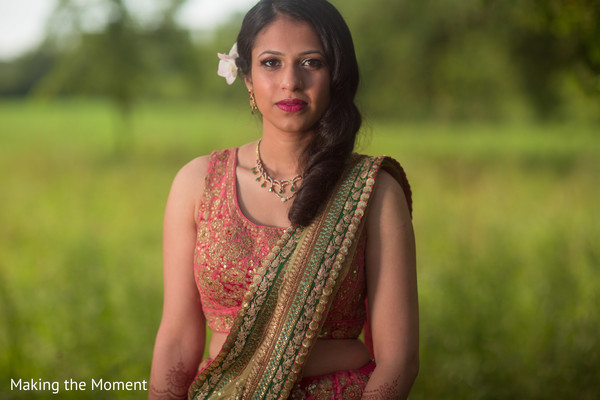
pixel 227 67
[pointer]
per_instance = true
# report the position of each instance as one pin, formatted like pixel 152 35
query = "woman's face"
pixel 289 76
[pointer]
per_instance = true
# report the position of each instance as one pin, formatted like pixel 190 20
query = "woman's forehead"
pixel 287 35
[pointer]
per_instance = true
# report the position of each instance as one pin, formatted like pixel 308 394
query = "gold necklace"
pixel 275 186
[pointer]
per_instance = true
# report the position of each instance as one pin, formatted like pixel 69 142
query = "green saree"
pixel 285 307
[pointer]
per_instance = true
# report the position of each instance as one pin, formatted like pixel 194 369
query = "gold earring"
pixel 253 106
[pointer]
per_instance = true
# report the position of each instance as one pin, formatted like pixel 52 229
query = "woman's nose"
pixel 291 78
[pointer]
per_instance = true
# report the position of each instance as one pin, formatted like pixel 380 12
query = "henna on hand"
pixel 178 381
pixel 386 391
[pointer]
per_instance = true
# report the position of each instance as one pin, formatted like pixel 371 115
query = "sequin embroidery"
pixel 229 249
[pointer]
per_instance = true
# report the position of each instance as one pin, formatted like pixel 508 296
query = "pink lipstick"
pixel 291 105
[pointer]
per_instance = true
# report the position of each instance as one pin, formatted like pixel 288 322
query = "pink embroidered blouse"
pixel 229 249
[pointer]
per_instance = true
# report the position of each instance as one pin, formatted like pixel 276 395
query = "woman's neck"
pixel 280 153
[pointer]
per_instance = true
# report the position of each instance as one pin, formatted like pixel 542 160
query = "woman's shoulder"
pixel 389 194
pixel 384 166
pixel 391 179
pixel 191 178
pixel 188 185
pixel 197 169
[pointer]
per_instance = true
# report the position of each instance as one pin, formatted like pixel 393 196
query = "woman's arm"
pixel 392 292
pixel 180 340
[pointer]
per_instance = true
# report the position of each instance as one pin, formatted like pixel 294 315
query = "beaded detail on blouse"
pixel 229 249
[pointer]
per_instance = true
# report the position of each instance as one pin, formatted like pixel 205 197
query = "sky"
pixel 22 21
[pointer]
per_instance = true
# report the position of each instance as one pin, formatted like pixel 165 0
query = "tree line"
pixel 431 59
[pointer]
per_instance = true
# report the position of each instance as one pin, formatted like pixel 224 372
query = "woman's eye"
pixel 270 62
pixel 312 63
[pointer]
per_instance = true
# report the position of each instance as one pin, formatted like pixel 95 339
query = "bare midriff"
pixel 327 355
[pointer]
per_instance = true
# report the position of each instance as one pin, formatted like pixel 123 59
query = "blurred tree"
pixel 440 59
pixel 575 21
pixel 19 77
pixel 568 33
pixel 105 50
pixel 106 62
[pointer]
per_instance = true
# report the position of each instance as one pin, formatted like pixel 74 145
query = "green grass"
pixel 506 218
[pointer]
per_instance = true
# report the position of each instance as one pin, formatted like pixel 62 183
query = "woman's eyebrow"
pixel 278 53
pixel 273 52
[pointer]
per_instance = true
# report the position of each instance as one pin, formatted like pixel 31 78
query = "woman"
pixel 278 244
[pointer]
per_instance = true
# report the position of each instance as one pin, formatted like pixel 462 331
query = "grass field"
pixel 506 218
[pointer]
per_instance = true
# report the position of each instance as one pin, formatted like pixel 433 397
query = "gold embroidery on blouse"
pixel 251 328
pixel 229 249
